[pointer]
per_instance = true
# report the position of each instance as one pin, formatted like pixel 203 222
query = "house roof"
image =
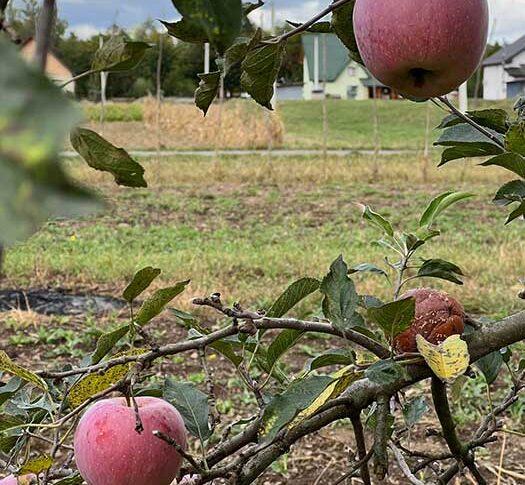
pixel 517 72
pixel 506 53
pixel 336 55
pixel 55 66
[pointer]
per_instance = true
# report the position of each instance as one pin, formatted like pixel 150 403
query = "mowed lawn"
pixel 247 227
pixel 401 124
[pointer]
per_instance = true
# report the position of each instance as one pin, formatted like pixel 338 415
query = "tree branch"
pixel 361 447
pixel 44 32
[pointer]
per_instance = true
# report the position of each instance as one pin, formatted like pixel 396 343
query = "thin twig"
pixel 355 467
pixel 180 450
pixel 214 416
pixel 403 465
pixel 361 447
pixel 471 122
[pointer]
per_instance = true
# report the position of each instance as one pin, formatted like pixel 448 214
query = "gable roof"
pixel 337 57
pixel 54 65
pixel 506 53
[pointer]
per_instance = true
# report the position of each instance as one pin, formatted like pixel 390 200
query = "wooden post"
pixel 159 95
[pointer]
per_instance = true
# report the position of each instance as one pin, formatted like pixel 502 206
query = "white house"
pixel 504 72
pixel 326 62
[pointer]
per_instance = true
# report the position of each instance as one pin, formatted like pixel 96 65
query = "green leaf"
pixel 249 7
pixel 35 116
pixel 385 372
pixel 260 69
pixel 513 191
pixel 439 268
pixel 465 151
pixel 207 90
pixel 186 31
pixel 156 304
pixel 518 212
pixel 281 344
pixel 395 317
pixel 368 268
pixel 140 282
pixel 8 390
pixel 332 357
pixel 414 410
pixel 119 54
pixel 490 365
pixel 519 107
pixel 439 204
pixel 495 119
pixel 343 26
pixel 377 220
pixel 511 161
pixel 318 27
pixel 284 407
pixel 7 365
pixel 467 135
pixel 36 465
pixel 74 479
pixel 107 341
pixel 235 54
pixel 369 301
pixel 341 298
pixel 515 138
pixel 296 292
pixel 192 404
pixel 221 20
pixel 100 154
pixel 224 347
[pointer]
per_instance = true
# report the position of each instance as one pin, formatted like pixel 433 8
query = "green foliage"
pixel 192 404
pixel 36 465
pixel 295 293
pixel 107 341
pixel 395 317
pixel 343 26
pixel 34 185
pixel 439 268
pixel 7 365
pixel 385 372
pixel 207 90
pixel 281 344
pixel 341 299
pixel 118 54
pixel 219 20
pixel 331 357
pixel 284 407
pixel 114 112
pixel 140 282
pixel 100 154
pixel 157 303
pixel 439 204
pixel 495 119
pixel 260 69
pixel 414 410
pixel 377 220
pixel 490 366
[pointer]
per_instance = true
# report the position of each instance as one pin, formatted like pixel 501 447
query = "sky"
pixel 87 17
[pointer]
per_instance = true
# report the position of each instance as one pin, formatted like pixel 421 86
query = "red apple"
pixel 422 48
pixel 108 450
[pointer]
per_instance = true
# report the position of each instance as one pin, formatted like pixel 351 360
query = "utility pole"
pixel 159 93
pixel 325 110
pixel 316 62
pixel 463 97
pixel 274 97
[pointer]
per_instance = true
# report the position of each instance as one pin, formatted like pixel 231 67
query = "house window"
pixel 352 92
pixel 352 71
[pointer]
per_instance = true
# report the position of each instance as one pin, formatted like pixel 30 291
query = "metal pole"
pixel 463 98
pixel 316 63
pixel 206 58
pixel 103 84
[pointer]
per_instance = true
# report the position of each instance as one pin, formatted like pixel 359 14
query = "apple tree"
pixel 380 348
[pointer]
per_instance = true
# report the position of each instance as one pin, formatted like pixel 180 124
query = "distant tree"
pixel 23 20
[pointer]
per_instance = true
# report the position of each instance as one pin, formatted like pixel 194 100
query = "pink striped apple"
pixel 422 48
pixel 108 450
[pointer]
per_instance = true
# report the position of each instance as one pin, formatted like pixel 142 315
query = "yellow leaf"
pixel 36 465
pixel 448 360
pixel 95 383
pixel 344 378
pixel 7 365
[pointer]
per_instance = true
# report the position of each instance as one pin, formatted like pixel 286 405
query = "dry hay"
pixel 232 124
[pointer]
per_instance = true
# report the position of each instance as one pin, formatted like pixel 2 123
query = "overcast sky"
pixel 87 17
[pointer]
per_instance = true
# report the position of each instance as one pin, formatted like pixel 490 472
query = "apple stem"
pixel 470 121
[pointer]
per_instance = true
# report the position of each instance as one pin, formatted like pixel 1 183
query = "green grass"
pixel 402 124
pixel 249 227
pixel 114 112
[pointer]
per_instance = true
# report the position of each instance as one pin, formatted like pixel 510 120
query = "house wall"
pixel 494 82
pixel 342 86
pixel 496 78
pixel 55 70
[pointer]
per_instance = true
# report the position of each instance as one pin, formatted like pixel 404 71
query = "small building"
pixel 326 62
pixel 504 72
pixel 56 70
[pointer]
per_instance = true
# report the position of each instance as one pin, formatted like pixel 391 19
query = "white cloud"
pixel 508 19
pixel 84 31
